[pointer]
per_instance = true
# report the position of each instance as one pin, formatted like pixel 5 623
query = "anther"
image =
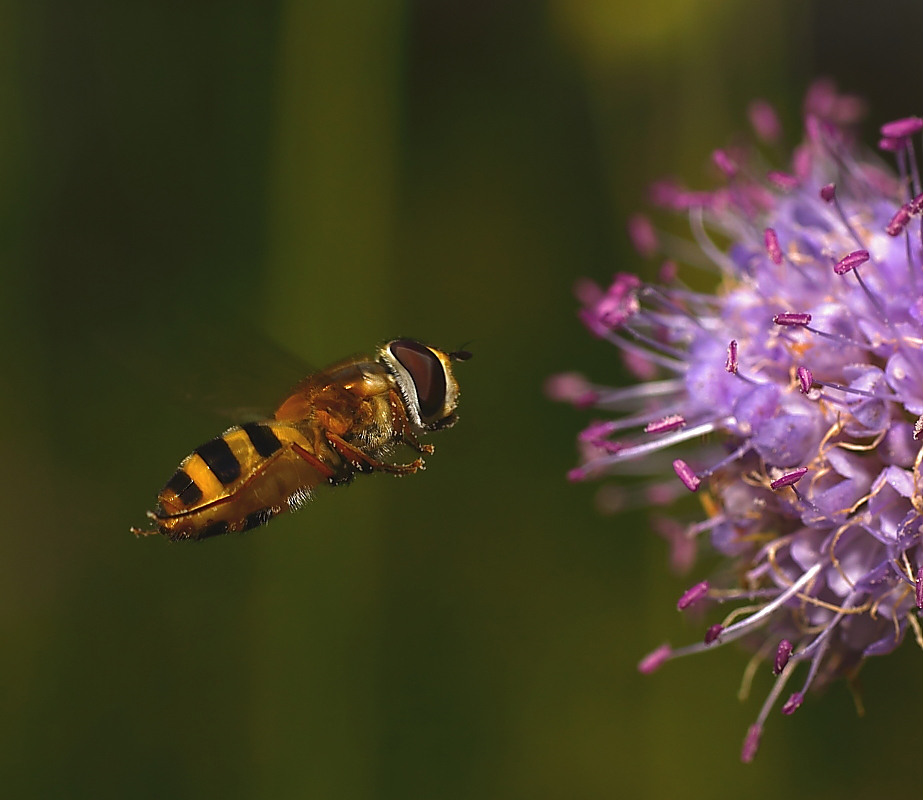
pixel 751 743
pixel 668 271
pixel 653 661
pixel 725 163
pixel 918 428
pixel 686 474
pixel 789 478
pixel 793 704
pixel 805 379
pixel 596 431
pixel 642 235
pixel 712 634
pixel 669 423
pixel 902 128
pixel 919 588
pixel 782 655
pixel 890 145
pixel 692 595
pixel 772 246
pixel 828 193
pixel 899 221
pixel 782 180
pixel 792 319
pixel 764 120
pixel 731 363
pixel 851 261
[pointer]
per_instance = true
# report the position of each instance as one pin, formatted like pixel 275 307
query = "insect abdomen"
pixel 238 481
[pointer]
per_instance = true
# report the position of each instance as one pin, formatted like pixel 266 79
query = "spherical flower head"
pixel 790 401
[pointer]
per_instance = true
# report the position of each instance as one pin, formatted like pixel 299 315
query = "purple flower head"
pixel 802 436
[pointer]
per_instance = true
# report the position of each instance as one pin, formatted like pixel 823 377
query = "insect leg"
pixel 402 426
pixel 365 463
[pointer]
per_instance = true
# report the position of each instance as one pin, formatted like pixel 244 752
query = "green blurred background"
pixel 185 186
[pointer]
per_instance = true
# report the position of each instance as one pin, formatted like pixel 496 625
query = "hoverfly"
pixel 337 422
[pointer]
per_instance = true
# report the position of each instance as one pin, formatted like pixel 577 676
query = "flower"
pixel 790 401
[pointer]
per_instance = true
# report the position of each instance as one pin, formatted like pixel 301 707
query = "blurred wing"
pixel 238 374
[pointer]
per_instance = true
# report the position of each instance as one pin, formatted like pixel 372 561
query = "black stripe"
pixel 184 488
pixel 215 529
pixel 257 518
pixel 217 454
pixel 262 438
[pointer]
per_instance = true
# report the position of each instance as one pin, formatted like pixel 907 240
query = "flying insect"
pixel 341 421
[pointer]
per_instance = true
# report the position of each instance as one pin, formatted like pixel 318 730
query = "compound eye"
pixel 427 374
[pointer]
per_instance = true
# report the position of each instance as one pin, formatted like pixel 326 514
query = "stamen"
pixel 782 180
pixel 670 423
pixel 890 145
pixel 793 704
pixel 655 660
pixel 740 452
pixel 782 656
pixel 708 247
pixel 620 399
pixel 668 271
pixel 570 387
pixel 792 319
pixel 805 379
pixel 816 649
pixel 850 390
pixel 902 128
pixel 665 349
pixel 712 634
pixel 725 163
pixel 842 215
pixel 642 235
pixel 727 595
pixel 764 120
pixel 789 478
pixel 835 337
pixel 773 695
pixel 662 443
pixel 693 595
pixel 772 245
pixel 625 423
pixel 742 628
pixel 672 364
pixel 751 743
pixel 731 363
pixel 865 289
pixel 693 530
pixel 914 170
pixel 655 294
pixel 919 588
pixel 596 431
pixel 851 261
pixel 686 474
pixel 898 221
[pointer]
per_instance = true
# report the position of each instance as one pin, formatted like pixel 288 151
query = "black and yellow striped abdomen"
pixel 242 479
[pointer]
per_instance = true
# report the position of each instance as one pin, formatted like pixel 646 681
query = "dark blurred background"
pixel 187 188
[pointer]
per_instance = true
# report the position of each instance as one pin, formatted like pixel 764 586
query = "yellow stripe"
pixel 204 478
pixel 288 434
pixel 243 451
